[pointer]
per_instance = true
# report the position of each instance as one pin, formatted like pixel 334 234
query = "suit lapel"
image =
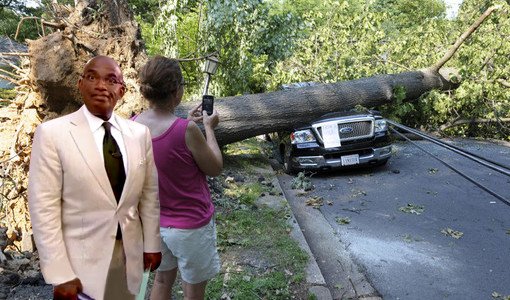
pixel 132 154
pixel 80 131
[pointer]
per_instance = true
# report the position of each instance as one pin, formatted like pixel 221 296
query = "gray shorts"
pixel 193 251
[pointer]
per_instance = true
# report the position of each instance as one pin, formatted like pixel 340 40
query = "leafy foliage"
pixel 11 14
pixel 264 44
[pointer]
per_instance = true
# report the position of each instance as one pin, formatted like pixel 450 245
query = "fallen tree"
pixel 47 88
pixel 250 115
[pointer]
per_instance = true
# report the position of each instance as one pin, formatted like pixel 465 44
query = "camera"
pixel 208 103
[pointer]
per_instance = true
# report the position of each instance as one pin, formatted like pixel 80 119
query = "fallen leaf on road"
pixel 433 170
pixel 508 231
pixel 412 209
pixel 356 193
pixel 315 201
pixel 497 295
pixel 453 233
pixel 343 221
pixel 301 182
pixel 329 202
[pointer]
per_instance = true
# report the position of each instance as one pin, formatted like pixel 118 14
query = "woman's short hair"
pixel 160 78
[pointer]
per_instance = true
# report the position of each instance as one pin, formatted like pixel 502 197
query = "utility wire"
pixel 477 158
pixel 499 197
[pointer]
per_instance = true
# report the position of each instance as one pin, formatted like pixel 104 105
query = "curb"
pixel 341 270
pixel 314 277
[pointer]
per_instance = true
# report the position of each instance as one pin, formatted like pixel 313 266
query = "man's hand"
pixel 67 290
pixel 151 260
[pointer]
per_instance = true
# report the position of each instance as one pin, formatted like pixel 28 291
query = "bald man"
pixel 92 194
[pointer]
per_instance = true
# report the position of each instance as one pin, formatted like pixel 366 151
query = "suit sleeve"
pixel 149 203
pixel 44 200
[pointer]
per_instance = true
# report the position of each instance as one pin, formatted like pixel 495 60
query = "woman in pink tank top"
pixel 184 157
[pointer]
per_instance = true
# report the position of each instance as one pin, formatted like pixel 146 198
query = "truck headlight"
pixel 302 136
pixel 381 125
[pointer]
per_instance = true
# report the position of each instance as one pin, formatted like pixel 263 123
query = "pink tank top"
pixel 184 195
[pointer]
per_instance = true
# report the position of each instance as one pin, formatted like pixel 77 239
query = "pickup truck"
pixel 335 141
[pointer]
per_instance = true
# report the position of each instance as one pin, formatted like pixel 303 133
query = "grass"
pixel 260 260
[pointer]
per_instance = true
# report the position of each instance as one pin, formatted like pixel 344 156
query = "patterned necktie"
pixel 113 162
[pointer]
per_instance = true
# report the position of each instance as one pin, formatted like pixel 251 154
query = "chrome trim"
pixel 320 162
pixel 315 127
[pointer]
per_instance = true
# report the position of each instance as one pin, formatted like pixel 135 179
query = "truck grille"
pixel 351 129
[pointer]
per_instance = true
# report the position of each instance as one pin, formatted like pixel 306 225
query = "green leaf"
pixel 452 233
pixel 343 220
pixel 412 209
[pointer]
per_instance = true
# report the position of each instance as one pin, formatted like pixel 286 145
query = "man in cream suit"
pixel 95 232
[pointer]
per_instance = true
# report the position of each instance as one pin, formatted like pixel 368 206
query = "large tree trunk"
pixel 250 115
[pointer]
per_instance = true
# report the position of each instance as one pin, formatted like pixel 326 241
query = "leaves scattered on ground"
pixel 343 220
pixel 433 170
pixel 412 209
pixel 452 233
pixel 357 193
pixel 301 182
pixel 315 202
pixel 498 296
pixel 508 231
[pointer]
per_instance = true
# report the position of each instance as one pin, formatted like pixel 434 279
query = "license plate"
pixel 350 160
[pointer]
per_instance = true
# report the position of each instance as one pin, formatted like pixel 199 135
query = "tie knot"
pixel 107 126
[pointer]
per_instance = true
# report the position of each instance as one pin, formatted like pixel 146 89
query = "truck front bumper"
pixel 320 162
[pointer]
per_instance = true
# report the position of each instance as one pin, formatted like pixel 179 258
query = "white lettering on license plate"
pixel 348 160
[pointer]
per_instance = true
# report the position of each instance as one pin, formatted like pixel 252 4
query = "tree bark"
pixel 246 116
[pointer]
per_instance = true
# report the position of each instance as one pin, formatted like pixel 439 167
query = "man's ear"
pixel 78 84
pixel 122 91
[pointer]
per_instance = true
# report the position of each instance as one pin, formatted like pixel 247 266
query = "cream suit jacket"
pixel 73 209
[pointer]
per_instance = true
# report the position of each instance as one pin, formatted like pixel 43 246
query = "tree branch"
pixel 60 26
pixel 448 55
pixel 12 75
pixel 7 78
pixel 14 54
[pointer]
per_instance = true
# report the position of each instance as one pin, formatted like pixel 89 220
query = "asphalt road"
pixel 405 255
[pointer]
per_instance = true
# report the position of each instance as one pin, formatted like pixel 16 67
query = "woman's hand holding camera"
pixel 198 115
pixel 212 120
pixel 195 114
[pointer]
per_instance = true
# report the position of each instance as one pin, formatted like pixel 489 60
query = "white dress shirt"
pixel 97 129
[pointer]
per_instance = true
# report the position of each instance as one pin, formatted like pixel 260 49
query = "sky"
pixel 452 6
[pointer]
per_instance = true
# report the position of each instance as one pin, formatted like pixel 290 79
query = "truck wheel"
pixel 287 167
pixel 278 153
